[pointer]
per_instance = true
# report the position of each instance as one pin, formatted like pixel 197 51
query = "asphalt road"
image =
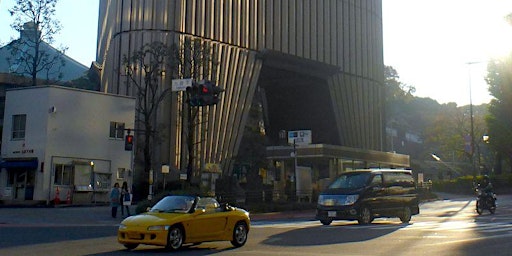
pixel 444 227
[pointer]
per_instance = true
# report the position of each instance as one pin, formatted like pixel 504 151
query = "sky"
pixel 428 42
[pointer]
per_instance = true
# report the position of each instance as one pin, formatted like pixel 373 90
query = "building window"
pixel 116 130
pixel 18 126
pixel 63 174
pixel 121 173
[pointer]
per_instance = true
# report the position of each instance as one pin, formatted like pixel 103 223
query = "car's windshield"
pixel 180 204
pixel 351 181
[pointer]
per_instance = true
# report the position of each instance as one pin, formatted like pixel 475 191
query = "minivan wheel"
pixel 365 216
pixel 326 222
pixel 405 215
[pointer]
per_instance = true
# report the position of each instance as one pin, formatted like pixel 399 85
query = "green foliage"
pixel 252 150
pixel 441 127
pixel 396 90
pixel 465 185
pixel 499 119
pixel 460 185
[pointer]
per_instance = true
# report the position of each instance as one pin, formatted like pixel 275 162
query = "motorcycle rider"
pixel 487 187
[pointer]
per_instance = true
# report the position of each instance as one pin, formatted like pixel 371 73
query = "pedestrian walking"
pixel 126 199
pixel 114 199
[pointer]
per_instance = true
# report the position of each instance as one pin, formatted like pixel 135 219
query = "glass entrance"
pixel 22 183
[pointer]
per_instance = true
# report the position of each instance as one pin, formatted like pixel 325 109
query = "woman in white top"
pixel 126 199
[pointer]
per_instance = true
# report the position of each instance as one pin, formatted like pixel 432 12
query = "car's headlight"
pixel 158 228
pixel 321 200
pixel 122 226
pixel 351 199
pixel 337 200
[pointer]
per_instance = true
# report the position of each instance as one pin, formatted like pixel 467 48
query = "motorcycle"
pixel 485 201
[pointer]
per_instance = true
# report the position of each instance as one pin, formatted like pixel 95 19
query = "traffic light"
pixel 207 93
pixel 194 95
pixel 204 93
pixel 128 142
pixel 215 94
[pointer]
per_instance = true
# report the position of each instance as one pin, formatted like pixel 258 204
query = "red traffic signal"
pixel 203 93
pixel 204 89
pixel 128 142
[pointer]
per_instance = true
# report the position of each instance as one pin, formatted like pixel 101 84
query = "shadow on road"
pixel 336 233
pixel 185 250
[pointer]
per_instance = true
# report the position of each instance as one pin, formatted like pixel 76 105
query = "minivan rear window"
pixel 351 181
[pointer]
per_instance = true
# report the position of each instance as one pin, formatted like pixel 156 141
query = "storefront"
pixel 20 175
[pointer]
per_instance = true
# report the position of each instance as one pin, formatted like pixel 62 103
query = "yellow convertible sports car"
pixel 178 220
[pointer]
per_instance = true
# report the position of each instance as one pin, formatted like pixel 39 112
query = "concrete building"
pixel 317 64
pixel 64 143
pixel 10 71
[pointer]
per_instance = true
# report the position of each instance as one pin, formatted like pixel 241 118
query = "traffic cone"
pixel 56 201
pixel 68 198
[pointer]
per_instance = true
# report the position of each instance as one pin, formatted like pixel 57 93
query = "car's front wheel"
pixel 365 216
pixel 239 234
pixel 405 215
pixel 175 238
pixel 326 222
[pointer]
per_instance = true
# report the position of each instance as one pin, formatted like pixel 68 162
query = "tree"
pixel 396 90
pixel 442 128
pixel 499 119
pixel 146 68
pixel 397 95
pixel 31 53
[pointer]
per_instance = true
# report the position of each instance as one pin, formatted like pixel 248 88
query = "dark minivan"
pixel 363 195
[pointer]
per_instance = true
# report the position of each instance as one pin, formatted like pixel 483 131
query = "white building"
pixel 64 143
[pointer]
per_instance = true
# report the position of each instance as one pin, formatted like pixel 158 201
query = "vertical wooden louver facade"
pixel 344 34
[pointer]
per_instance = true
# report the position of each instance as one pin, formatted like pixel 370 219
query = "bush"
pixel 464 185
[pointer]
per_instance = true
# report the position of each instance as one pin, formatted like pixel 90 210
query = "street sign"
pixel 302 137
pixel 165 168
pixel 213 168
pixel 181 84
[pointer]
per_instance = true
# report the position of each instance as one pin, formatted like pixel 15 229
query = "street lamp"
pixel 441 161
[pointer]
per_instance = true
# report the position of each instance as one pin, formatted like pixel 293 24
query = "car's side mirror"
pixel 148 209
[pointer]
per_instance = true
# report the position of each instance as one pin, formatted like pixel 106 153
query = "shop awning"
pixel 28 163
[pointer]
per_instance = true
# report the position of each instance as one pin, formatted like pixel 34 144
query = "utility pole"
pixel 472 129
